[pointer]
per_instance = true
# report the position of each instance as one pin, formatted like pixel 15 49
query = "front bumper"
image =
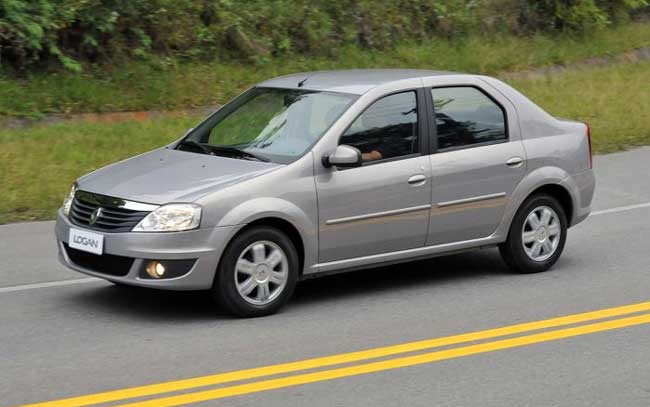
pixel 205 245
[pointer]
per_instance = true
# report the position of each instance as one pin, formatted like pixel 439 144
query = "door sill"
pixel 382 259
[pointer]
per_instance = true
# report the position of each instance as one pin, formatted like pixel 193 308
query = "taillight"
pixel 591 162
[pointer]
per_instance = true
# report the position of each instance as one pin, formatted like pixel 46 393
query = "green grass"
pixel 614 100
pixel 38 164
pixel 171 85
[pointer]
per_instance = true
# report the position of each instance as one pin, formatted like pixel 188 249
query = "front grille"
pixel 111 217
pixel 106 263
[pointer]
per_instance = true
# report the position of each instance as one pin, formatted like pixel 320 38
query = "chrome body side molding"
pixel 377 214
pixel 471 200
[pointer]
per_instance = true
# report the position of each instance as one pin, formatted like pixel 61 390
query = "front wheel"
pixel 537 235
pixel 257 273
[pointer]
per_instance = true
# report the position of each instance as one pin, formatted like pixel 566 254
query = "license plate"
pixel 86 241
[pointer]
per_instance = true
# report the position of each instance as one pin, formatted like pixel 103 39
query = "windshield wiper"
pixel 212 148
pixel 236 151
pixel 199 146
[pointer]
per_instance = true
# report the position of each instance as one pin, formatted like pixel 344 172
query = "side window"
pixel 465 116
pixel 387 129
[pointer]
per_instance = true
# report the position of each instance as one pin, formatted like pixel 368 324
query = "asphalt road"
pixel 74 336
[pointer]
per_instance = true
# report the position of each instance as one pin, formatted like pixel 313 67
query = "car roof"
pixel 355 81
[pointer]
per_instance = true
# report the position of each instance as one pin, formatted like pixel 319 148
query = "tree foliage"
pixel 37 33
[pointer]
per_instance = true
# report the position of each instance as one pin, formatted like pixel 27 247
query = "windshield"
pixel 276 125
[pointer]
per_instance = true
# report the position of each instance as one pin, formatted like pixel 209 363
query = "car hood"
pixel 166 175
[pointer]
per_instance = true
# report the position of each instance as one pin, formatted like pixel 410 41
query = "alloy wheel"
pixel 541 233
pixel 261 272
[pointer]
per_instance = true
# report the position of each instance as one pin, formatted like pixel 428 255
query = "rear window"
pixel 465 116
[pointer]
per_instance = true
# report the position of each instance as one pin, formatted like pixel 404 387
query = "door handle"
pixel 515 162
pixel 417 179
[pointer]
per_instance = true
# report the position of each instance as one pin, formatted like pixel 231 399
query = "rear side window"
pixel 466 116
pixel 387 129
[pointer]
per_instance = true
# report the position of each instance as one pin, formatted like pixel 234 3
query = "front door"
pixel 479 161
pixel 382 206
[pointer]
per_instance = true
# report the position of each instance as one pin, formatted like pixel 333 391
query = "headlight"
pixel 171 218
pixel 67 202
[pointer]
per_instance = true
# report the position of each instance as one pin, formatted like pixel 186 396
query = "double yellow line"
pixel 613 318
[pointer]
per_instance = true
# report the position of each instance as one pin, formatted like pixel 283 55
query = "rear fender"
pixel 536 179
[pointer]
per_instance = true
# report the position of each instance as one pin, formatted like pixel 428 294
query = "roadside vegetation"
pixel 73 34
pixel 38 164
pixel 70 56
pixel 169 84
pixel 613 99
pixel 123 55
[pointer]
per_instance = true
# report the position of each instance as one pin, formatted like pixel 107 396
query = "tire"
pixel 245 270
pixel 544 244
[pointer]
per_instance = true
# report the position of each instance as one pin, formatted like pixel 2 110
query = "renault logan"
pixel 323 172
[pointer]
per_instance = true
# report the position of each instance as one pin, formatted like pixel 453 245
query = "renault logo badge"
pixel 95 215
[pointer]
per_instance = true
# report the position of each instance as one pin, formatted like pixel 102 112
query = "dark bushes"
pixel 37 33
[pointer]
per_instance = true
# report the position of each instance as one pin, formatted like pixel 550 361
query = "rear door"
pixel 478 161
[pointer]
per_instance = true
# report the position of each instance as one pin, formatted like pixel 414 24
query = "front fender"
pixel 265 208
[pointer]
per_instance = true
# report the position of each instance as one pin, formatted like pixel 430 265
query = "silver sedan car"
pixel 324 172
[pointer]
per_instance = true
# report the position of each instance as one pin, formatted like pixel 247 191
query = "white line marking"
pixel 48 284
pixel 621 209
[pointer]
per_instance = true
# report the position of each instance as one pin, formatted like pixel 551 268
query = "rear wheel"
pixel 537 235
pixel 258 272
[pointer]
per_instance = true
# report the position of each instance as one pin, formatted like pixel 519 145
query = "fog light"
pixel 155 269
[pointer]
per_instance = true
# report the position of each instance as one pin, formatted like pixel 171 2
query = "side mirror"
pixel 344 156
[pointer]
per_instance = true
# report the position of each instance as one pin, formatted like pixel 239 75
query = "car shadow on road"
pixel 147 304
pixel 192 306
pixel 430 273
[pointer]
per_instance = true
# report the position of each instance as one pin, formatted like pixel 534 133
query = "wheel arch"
pixel 560 193
pixel 298 223
pixel 550 179
pixel 286 227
